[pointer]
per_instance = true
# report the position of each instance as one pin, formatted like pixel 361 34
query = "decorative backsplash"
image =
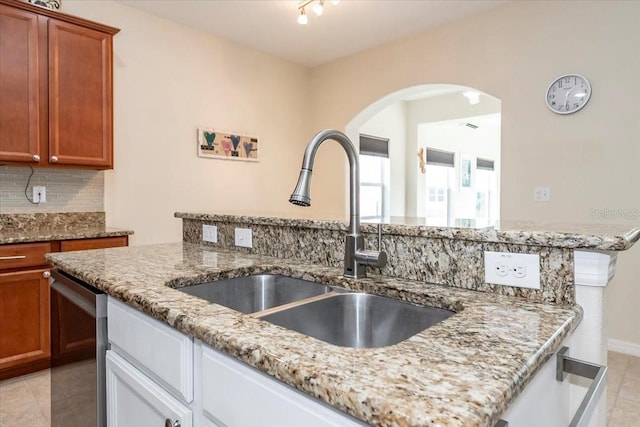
pixel 445 261
pixel 68 190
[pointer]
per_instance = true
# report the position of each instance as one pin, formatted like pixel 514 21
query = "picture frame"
pixel 224 145
pixel 466 172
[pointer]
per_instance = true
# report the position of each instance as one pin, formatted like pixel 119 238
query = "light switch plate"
pixel 210 233
pixel 511 269
pixel 244 237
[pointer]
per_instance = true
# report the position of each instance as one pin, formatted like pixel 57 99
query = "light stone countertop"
pixel 45 235
pixel 607 237
pixel 47 226
pixel 464 371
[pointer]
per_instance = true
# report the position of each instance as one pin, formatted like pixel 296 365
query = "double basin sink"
pixel 333 315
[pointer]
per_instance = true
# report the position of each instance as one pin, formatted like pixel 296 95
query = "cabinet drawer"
pixel 101 243
pixel 133 400
pixel 157 349
pixel 272 403
pixel 23 255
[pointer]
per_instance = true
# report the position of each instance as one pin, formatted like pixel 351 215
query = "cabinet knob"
pixel 169 423
pixel 54 159
pixel 36 158
pixel 46 274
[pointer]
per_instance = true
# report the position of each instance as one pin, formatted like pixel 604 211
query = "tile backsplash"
pixel 68 190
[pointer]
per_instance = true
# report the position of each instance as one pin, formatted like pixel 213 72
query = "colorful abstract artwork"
pixel 225 145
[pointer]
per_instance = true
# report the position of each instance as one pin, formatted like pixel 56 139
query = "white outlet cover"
pixel 210 233
pixel 39 194
pixel 542 194
pixel 244 237
pixel 523 270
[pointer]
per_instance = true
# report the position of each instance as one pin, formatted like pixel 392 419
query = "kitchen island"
pixel 465 370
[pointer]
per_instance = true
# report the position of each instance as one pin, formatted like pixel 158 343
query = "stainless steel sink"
pixel 358 320
pixel 250 294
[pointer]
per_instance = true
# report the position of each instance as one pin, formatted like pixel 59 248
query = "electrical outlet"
pixel 244 237
pixel 39 194
pixel 502 269
pixel 542 194
pixel 519 271
pixel 210 233
pixel 511 269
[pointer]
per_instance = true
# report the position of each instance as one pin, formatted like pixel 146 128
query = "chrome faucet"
pixel 356 258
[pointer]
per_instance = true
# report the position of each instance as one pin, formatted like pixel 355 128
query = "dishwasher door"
pixel 78 349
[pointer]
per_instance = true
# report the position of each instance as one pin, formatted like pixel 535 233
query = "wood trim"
pixel 61 16
pixel 99 243
pixel 27 368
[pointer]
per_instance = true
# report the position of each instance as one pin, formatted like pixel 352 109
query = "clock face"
pixel 568 94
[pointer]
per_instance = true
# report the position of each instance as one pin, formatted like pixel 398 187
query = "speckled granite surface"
pixel 464 371
pixel 608 237
pixel 446 261
pixel 40 227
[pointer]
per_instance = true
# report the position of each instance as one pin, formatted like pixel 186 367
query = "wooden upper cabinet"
pixel 80 96
pixel 19 85
pixel 56 88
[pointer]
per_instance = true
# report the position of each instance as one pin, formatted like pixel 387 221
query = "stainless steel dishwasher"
pixel 78 349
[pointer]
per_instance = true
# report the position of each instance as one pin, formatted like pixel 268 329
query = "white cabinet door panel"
pixel 133 400
pixel 162 352
pixel 240 396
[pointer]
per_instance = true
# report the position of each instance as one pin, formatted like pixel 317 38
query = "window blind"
pixel 440 157
pixel 374 146
pixel 485 164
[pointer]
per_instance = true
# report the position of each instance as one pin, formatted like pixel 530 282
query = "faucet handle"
pixel 372 258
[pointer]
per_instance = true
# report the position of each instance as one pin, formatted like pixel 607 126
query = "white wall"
pixel 391 123
pixel 168 81
pixel 589 159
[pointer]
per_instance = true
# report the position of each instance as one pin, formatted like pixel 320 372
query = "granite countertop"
pixel 607 237
pixel 463 371
pixel 44 235
pixel 42 227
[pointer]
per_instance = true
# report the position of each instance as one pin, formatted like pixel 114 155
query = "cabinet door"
pixel 80 96
pixel 24 316
pixel 19 86
pixel 133 400
pixel 272 403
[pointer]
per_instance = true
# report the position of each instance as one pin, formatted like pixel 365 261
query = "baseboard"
pixel 623 347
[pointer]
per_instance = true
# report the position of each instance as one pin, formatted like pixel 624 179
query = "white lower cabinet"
pixel 236 395
pixel 133 400
pixel 158 376
pixel 543 402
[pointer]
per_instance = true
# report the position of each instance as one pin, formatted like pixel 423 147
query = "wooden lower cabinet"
pixel 24 316
pixel 27 307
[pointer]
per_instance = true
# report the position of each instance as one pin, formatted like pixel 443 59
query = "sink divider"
pixel 276 309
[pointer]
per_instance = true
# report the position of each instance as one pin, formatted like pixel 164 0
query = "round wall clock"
pixel 568 94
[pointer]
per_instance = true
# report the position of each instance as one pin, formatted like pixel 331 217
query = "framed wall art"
pixel 216 144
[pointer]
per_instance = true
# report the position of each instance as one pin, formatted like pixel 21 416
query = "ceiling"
pixel 350 26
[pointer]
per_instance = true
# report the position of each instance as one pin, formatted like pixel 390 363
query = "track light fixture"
pixel 316 5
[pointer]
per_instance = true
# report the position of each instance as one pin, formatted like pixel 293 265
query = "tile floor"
pixel 25 401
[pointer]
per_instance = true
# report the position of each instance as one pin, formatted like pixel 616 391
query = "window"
pixel 374 177
pixel 439 178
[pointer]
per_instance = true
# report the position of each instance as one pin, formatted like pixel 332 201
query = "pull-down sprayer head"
pixel 301 196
